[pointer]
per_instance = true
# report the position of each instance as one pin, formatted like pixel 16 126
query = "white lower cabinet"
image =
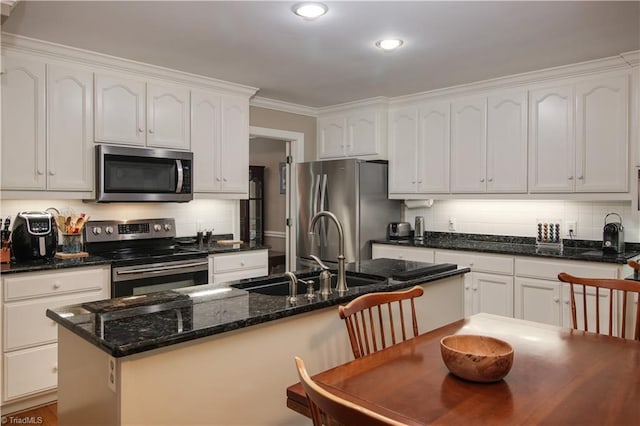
pixel 29 349
pixel 227 267
pixel 415 254
pixel 538 300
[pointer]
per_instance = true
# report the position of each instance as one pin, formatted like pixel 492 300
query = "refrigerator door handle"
pixel 316 199
pixel 323 222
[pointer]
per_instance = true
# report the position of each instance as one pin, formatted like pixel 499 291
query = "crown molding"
pixel 632 58
pixel 6 6
pixel 260 102
pixel 613 63
pixel 31 46
pixel 376 102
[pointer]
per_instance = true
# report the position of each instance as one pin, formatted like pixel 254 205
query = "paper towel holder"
pixel 416 204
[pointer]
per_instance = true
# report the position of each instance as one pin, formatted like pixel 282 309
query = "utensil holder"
pixel 71 243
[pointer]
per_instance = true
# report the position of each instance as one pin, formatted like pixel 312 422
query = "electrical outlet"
pixel 452 224
pixel 571 228
pixel 112 378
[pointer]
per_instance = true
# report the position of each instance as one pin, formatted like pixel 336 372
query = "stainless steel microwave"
pixel 126 174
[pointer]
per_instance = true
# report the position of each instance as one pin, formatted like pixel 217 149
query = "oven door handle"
pixel 160 269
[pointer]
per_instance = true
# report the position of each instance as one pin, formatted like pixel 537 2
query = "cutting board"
pixel 61 255
pixel 228 242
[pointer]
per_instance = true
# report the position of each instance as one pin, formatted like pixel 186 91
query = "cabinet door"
pixel 363 136
pixel 331 137
pixel 538 300
pixel 168 117
pixel 493 294
pixel 29 371
pixel 433 148
pixel 234 153
pixel 507 143
pixel 205 141
pixel 119 110
pixel 23 123
pixel 403 161
pixel 70 154
pixel 601 135
pixel 415 254
pixel 468 145
pixel 551 140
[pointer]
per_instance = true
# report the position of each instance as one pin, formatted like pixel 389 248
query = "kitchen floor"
pixel 46 415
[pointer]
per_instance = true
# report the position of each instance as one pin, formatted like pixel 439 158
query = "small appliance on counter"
pixel 34 236
pixel 399 230
pixel 418 230
pixel 613 235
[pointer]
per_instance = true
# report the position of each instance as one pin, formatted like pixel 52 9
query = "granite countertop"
pixel 126 326
pixel 56 263
pixel 519 246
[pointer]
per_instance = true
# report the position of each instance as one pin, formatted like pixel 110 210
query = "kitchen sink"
pixel 281 288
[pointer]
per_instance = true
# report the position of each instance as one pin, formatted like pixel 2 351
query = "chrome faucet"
pixel 341 286
pixel 293 287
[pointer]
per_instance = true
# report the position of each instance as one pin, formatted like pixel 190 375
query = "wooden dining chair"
pixel 377 320
pixel 329 409
pixel 635 265
pixel 607 285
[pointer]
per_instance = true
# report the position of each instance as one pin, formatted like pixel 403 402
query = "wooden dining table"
pixel 559 376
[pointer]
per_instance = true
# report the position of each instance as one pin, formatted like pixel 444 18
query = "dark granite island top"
pixel 134 324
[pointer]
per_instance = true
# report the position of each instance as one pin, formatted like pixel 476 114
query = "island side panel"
pixel 84 396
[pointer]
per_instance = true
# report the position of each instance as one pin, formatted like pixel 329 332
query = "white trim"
pixel 32 46
pixel 275 234
pixel 632 58
pixel 260 102
pixel 612 63
pixel 379 101
pixel 7 7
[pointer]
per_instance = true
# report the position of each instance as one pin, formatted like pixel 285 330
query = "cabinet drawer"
pixel 237 261
pixel 26 323
pixel 22 286
pixel 415 254
pixel 493 264
pixel 225 277
pixel 30 371
pixel 549 269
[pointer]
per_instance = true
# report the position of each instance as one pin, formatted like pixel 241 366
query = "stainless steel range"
pixel 145 255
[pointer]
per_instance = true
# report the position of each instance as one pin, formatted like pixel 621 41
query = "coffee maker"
pixel 34 236
pixel 613 235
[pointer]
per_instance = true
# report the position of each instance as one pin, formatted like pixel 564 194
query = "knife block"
pixel 5 253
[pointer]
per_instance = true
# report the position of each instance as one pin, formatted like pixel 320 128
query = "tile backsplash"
pixel 221 215
pixel 519 218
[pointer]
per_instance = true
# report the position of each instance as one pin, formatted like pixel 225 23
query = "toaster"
pixel 613 235
pixel 399 230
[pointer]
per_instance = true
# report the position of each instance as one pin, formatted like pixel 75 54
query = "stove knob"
pixel 157 227
pixel 108 230
pixel 96 230
pixel 167 227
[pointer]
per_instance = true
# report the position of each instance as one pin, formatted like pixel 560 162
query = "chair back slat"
pixel 617 288
pixel 377 320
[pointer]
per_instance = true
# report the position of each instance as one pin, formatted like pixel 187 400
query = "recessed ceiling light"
pixel 310 10
pixel 389 44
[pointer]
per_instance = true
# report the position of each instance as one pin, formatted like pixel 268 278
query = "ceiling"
pixel 333 59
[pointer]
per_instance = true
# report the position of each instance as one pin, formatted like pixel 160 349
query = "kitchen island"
pixel 210 355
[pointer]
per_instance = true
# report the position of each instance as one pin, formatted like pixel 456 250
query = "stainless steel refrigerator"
pixel 356 192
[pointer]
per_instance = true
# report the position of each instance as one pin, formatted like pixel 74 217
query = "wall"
pixel 270 153
pixel 221 215
pixel 263 117
pixel 519 218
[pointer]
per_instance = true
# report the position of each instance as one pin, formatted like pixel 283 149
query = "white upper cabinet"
pixel 168 116
pixel 46 146
pixel 468 145
pixel 551 140
pixel 403 151
pixel 419 149
pixel 234 153
pixel 355 133
pixel 433 148
pixel 585 154
pixel 331 137
pixel 220 143
pixel 23 123
pixel 120 110
pixel 506 166
pixel 70 154
pixel 131 112
pixel 602 135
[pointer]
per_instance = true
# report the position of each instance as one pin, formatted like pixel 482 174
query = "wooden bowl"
pixel 476 358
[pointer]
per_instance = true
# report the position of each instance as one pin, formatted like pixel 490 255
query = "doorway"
pixel 271 148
